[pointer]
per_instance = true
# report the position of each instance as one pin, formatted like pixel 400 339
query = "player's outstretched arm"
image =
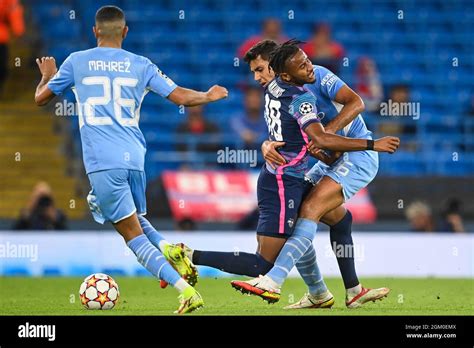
pixel 47 67
pixel 190 97
pixel 323 140
pixel 353 106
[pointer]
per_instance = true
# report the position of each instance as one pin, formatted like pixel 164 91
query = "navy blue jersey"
pixel 289 109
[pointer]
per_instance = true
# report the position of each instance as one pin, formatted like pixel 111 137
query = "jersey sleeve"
pixel 330 83
pixel 157 81
pixel 303 109
pixel 63 79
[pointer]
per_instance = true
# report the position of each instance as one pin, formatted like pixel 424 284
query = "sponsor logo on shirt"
pixel 328 80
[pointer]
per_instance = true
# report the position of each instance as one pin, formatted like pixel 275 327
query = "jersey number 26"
pixel 109 88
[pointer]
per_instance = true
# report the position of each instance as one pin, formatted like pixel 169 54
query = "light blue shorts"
pixel 353 171
pixel 116 194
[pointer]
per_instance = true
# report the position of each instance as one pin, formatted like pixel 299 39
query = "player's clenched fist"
pixel 387 144
pixel 217 92
pixel 47 66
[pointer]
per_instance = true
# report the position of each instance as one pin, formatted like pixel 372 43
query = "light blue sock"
pixel 308 268
pixel 294 248
pixel 152 259
pixel 153 235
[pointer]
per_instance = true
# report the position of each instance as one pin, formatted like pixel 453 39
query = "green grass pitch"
pixel 143 296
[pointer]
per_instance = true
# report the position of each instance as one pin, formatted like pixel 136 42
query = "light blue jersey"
pixel 110 84
pixel 354 170
pixel 325 89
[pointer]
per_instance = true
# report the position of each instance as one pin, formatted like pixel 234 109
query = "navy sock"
pixel 251 265
pixel 343 247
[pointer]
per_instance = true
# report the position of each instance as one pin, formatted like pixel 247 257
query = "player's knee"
pixel 310 212
pixel 143 221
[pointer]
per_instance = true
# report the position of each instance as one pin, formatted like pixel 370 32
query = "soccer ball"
pixel 99 291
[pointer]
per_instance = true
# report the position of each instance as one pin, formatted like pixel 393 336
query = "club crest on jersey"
pixel 306 108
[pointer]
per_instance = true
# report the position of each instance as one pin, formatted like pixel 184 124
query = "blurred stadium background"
pixel 388 51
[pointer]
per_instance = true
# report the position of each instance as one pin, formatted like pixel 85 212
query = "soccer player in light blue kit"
pixel 339 110
pixel 109 84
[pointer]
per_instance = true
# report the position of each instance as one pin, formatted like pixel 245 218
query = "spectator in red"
pixel 368 84
pixel 11 22
pixel 271 29
pixel 322 50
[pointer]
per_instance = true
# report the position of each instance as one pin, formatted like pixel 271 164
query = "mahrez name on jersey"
pixel 101 65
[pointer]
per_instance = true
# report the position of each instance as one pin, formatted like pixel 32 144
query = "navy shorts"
pixel 279 200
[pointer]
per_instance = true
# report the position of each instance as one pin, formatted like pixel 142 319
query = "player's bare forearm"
pixel 328 141
pixel 43 95
pixel 335 142
pixel 353 106
pixel 320 139
pixel 190 97
pixel 47 67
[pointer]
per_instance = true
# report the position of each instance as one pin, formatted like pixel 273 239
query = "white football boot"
pixel 325 300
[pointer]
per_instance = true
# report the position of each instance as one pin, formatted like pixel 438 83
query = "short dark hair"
pixel 263 49
pixel 109 13
pixel 282 53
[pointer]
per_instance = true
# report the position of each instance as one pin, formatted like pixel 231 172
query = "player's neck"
pixel 291 83
pixel 109 44
pixel 296 84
